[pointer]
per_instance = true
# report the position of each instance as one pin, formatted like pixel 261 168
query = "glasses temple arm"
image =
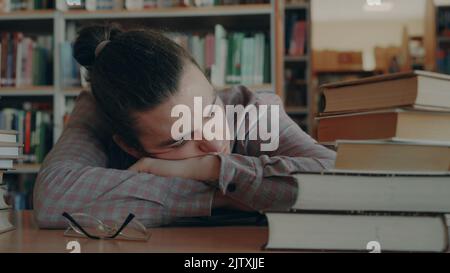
pixel 127 221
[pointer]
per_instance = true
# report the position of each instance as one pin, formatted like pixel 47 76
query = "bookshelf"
pixel 27 15
pixel 251 17
pixel 294 71
pixel 437 37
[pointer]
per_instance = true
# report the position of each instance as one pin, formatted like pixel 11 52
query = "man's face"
pixel 155 126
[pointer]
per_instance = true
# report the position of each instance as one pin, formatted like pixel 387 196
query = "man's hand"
pixel 205 168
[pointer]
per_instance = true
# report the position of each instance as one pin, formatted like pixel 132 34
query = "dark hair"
pixel 135 71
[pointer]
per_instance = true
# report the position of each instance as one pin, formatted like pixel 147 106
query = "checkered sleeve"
pixel 264 180
pixel 74 178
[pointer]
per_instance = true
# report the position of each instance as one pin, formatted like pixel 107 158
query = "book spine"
pixel 27 135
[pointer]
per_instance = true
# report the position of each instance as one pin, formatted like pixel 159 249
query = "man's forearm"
pixel 222 201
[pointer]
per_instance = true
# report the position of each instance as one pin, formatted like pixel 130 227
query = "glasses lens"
pixel 134 230
pixel 93 226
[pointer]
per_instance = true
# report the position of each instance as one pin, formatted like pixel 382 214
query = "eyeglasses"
pixel 84 225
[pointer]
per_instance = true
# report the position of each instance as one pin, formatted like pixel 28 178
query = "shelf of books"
pixel 27 88
pixel 297 61
pixel 28 15
pixel 443 39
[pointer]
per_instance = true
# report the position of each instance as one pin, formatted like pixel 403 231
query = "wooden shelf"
pixel 27 91
pixel 28 15
pixel 72 91
pixel 443 39
pixel 297 6
pixel 346 71
pixel 226 10
pixel 299 82
pixel 229 10
pixel 296 59
pixel 299 110
pixel 255 88
pixel 75 91
pixel 26 168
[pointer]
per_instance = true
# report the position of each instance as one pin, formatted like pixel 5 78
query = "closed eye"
pixel 178 144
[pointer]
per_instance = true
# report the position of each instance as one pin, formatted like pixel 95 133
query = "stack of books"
pixel 5 208
pixel 9 151
pixel 34 125
pixel 391 182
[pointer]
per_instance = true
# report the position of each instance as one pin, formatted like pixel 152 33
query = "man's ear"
pixel 125 147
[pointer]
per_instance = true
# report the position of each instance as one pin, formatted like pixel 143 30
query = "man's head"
pixel 137 77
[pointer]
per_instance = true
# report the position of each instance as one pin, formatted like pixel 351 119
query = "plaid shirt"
pixel 86 172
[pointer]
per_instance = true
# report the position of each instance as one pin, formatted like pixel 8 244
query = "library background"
pixel 288 47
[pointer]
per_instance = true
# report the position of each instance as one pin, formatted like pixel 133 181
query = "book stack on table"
pixel 391 184
pixel 9 152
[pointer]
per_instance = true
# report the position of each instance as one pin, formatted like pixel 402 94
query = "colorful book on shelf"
pixel 93 5
pixel 295 34
pixel 219 67
pixel 418 89
pixel 22 5
pixel 238 58
pixel 357 232
pixel 70 69
pixel 392 124
pixel 247 62
pixel 443 60
pixel 298 41
pixel 25 61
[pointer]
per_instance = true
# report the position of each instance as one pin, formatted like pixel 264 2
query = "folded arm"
pixel 250 178
pixel 265 180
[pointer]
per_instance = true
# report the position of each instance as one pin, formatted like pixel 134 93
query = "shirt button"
pixel 232 188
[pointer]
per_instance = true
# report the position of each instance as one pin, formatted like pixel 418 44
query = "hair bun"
pixel 88 40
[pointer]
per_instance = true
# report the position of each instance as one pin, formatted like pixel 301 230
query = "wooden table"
pixel 27 237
